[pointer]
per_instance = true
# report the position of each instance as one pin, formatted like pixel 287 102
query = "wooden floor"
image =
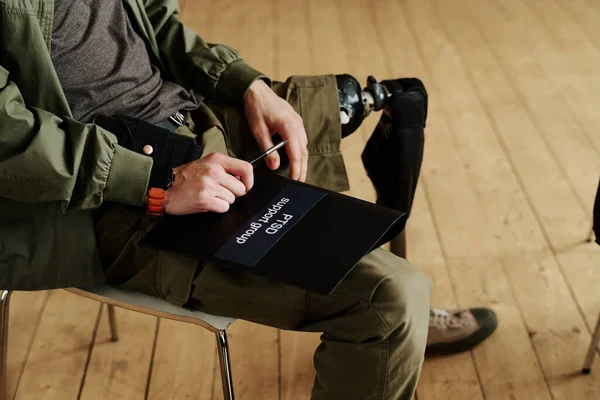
pixel 504 204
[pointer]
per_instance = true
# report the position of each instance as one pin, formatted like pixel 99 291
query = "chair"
pixel 134 301
pixel 589 358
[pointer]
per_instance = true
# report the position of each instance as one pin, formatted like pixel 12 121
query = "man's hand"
pixel 267 115
pixel 208 184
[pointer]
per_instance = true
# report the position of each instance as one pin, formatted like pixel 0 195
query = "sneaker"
pixel 460 330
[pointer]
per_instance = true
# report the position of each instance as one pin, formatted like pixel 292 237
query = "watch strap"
pixel 156 201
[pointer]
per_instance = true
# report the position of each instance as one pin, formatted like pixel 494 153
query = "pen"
pixel 269 151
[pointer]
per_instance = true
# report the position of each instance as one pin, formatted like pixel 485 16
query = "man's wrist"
pixel 158 188
pixel 236 80
pixel 256 90
pixel 257 86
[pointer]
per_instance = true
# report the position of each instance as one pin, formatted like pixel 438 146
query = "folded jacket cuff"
pixel 128 177
pixel 236 79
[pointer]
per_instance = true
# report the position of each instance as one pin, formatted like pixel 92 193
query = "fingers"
pixel 304 168
pixel 233 185
pixel 296 148
pixel 262 135
pixel 208 184
pixel 235 167
pixel 268 114
pixel 272 160
pixel 218 205
pixel 294 155
pixel 220 200
pixel 225 195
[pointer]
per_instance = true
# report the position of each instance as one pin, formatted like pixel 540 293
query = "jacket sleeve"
pixel 44 158
pixel 214 70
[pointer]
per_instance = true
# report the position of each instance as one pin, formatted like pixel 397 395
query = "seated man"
pixel 73 200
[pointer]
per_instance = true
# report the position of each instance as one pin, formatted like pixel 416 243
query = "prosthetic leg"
pixel 394 153
pixel 392 159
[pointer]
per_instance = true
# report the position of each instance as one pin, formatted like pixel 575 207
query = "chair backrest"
pixel 597 215
pixel 150 305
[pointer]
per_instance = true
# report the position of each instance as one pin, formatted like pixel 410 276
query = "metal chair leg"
pixel 398 245
pixel 4 307
pixel 112 321
pixel 589 358
pixel 223 350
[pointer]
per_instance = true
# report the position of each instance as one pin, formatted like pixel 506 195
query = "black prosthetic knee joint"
pixel 356 103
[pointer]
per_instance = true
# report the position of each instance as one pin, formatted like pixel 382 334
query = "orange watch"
pixel 156 201
pixel 157 195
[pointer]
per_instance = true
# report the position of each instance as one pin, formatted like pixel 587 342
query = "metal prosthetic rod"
pixel 357 103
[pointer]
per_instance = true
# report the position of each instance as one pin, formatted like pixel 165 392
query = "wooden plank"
pixel 297 373
pixel 579 57
pixel 58 358
pixel 328 51
pixel 558 332
pixel 293 47
pixel 26 310
pixel 459 211
pixel 258 48
pixel 535 278
pixel 519 134
pixel 584 14
pixel 442 377
pixel 569 65
pixel 119 370
pixel 184 362
pixel 582 268
pixel 564 220
pixel 227 22
pixel 198 16
pixel 182 5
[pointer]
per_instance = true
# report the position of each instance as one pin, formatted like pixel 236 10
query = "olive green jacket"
pixel 55 170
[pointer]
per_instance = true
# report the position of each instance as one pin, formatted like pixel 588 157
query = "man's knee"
pixel 403 303
pixel 402 298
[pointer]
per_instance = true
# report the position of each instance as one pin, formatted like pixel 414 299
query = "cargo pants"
pixel 375 322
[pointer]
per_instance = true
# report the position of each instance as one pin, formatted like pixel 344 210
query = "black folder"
pixel 284 230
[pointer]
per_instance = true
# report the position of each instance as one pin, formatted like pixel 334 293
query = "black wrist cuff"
pixel 169 150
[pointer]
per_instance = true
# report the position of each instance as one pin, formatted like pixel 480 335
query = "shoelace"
pixel 443 319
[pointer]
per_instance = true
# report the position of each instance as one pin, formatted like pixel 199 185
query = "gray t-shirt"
pixel 104 67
